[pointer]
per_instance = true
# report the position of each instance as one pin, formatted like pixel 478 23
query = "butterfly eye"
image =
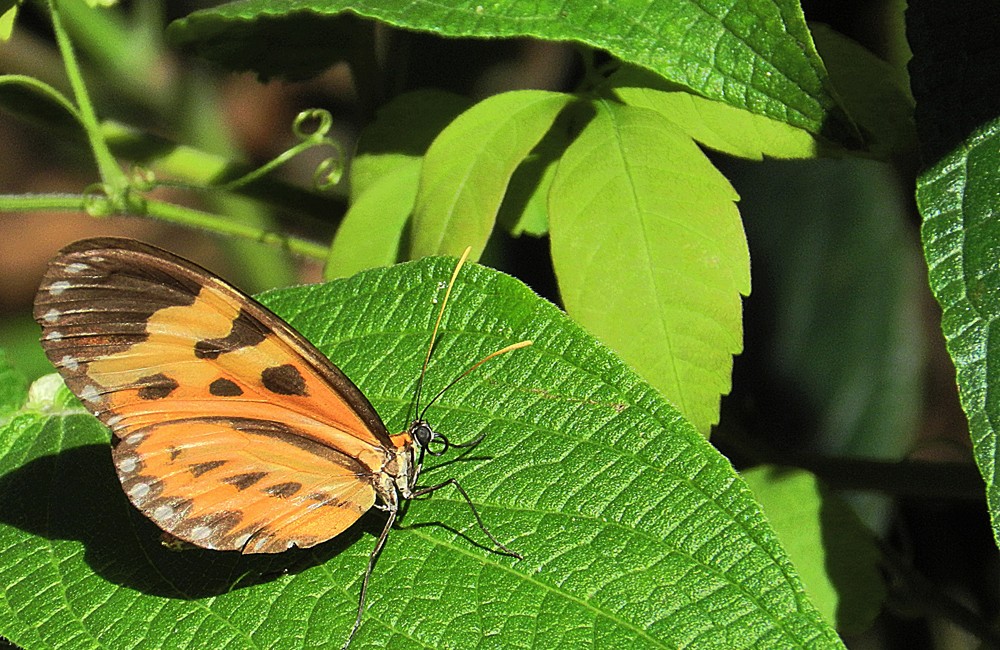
pixel 422 433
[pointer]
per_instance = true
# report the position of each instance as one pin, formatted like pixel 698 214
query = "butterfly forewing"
pixel 192 375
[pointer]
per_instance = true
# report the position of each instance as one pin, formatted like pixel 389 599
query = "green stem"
pixel 115 180
pixel 222 226
pixel 175 214
pixel 25 202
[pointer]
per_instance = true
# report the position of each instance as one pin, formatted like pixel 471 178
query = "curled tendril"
pixel 312 124
pixel 328 173
pixel 310 127
pixel 97 202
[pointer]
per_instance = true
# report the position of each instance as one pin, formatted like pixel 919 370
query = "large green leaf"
pixel 953 62
pixel 752 54
pixel 959 203
pixel 634 531
pixel 650 253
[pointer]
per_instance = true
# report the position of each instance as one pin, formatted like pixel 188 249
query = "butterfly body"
pixel 231 431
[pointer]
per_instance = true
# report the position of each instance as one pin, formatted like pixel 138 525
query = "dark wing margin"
pixel 74 300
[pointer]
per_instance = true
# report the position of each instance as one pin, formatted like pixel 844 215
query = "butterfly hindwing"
pixel 232 431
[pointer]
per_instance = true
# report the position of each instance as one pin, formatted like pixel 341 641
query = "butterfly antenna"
pixel 437 324
pixel 509 348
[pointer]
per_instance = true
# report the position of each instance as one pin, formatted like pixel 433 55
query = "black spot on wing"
pixel 284 380
pixel 156 386
pixel 283 490
pixel 200 468
pixel 246 331
pixel 223 387
pixel 243 481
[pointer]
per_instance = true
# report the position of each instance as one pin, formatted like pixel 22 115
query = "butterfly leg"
pixel 392 508
pixel 427 490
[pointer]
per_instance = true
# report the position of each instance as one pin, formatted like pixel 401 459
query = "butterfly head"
pixel 423 435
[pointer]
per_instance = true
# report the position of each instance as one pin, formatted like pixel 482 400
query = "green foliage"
pixel 959 203
pixel 469 165
pixel 850 345
pixel 634 531
pixel 432 178
pixel 756 56
pixel 13 386
pixel 958 199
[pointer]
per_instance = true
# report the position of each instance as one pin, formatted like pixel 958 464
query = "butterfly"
pixel 231 431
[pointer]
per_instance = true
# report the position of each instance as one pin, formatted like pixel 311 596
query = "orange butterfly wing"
pixel 232 431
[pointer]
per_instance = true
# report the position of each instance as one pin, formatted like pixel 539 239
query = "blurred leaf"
pixel 834 553
pixel 635 532
pixel 19 334
pixel 835 268
pixel 875 95
pixel 277 42
pixel 41 105
pixel 13 386
pixel 650 254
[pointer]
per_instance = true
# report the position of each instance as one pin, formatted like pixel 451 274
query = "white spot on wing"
pixel 241 540
pixel 133 439
pixel 52 315
pixel 162 513
pixel 139 491
pixel 76 267
pixel 57 288
pixel 127 465
pixel 69 363
pixel 200 532
pixel 113 421
pixel 54 335
pixel 90 394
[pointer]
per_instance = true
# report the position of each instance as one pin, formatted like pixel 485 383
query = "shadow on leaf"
pixel 75 495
